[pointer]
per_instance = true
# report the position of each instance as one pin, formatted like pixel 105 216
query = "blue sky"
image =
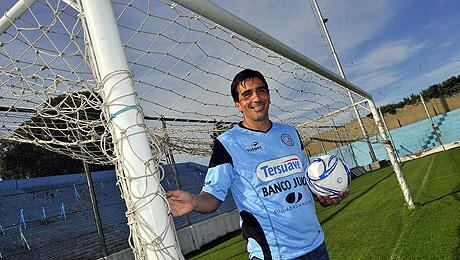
pixel 389 48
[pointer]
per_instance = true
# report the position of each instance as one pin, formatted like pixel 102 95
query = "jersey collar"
pixel 240 124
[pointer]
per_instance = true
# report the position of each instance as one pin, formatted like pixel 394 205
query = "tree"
pixel 25 160
pixel 447 88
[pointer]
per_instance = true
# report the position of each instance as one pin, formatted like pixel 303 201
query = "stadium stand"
pixel 74 236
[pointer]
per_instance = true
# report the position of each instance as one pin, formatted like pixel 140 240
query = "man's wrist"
pixel 194 202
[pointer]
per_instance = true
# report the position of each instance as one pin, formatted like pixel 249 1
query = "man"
pixel 263 164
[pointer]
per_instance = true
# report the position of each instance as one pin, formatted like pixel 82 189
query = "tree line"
pixel 445 89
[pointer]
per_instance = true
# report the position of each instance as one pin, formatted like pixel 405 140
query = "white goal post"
pixel 147 209
pixel 100 80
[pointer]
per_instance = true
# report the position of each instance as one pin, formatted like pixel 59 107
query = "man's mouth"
pixel 258 107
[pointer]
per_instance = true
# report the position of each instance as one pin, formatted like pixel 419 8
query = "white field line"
pixel 425 178
pixel 447 176
pixel 403 231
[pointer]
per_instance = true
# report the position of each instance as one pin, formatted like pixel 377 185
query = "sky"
pixel 389 48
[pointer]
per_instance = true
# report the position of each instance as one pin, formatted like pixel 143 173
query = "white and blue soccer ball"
pixel 327 175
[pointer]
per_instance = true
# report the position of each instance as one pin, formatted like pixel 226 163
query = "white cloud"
pixel 444 45
pixel 386 56
pixel 351 26
pixel 376 80
pixel 415 85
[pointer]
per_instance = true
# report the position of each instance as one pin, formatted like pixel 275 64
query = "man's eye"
pixel 247 94
pixel 262 90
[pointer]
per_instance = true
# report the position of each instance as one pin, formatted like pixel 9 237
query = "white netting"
pixel 181 65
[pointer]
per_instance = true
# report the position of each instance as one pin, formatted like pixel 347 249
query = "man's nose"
pixel 256 96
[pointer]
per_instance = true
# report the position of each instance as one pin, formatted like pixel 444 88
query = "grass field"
pixel 373 222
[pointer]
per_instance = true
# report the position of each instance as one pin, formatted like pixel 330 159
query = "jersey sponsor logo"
pixel 287 139
pixel 293 197
pixel 283 185
pixel 279 168
pixel 292 206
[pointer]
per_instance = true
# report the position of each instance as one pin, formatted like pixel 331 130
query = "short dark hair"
pixel 241 77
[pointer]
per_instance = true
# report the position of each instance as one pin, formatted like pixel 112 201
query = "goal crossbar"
pixel 220 16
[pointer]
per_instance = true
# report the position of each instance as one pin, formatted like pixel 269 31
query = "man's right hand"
pixel 180 202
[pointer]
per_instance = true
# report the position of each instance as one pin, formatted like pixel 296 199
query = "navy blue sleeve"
pixel 219 155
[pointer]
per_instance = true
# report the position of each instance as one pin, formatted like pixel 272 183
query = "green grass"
pixel 375 223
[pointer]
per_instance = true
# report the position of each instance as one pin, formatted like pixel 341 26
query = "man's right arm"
pixel 182 202
pixel 217 182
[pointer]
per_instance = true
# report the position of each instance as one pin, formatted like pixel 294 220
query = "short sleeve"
pixel 219 180
pixel 220 172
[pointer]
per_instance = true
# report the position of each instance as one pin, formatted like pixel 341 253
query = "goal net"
pixel 179 66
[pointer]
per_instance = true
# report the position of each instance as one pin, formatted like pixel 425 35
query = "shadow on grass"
pixel 349 201
pixel 455 193
pixel 238 256
pixel 215 243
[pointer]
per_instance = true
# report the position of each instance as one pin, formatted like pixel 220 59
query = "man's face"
pixel 253 100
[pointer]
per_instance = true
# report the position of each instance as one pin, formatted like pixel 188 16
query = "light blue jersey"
pixel 265 173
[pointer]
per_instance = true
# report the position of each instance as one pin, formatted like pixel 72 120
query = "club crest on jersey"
pixel 287 139
pixel 279 168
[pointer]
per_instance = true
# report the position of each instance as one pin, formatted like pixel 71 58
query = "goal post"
pixel 14 13
pixel 151 225
pixel 392 155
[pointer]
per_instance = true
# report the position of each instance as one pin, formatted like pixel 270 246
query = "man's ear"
pixel 238 106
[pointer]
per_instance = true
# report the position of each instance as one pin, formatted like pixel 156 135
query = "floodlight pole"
pixel 379 121
pixel 342 74
pixel 152 230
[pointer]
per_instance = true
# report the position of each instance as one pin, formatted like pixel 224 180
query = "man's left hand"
pixel 331 200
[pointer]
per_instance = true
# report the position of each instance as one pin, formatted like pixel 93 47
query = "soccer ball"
pixel 327 175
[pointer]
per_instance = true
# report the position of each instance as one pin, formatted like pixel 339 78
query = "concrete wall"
pixel 195 236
